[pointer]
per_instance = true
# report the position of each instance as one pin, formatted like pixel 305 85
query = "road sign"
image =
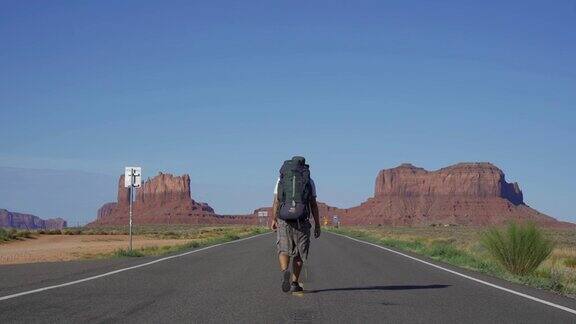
pixel 336 221
pixel 133 177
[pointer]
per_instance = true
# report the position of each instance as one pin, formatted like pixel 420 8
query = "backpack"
pixel 294 189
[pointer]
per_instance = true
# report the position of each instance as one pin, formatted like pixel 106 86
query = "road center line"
pixel 542 301
pixel 123 269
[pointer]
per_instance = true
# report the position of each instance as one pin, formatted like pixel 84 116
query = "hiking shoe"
pixel 285 281
pixel 295 287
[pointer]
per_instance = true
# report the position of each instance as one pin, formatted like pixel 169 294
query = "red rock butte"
pixel 474 194
pixel 164 199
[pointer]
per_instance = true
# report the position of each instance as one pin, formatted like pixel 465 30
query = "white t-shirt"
pixel 312 185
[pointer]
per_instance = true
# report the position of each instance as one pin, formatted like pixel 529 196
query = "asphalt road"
pixel 346 282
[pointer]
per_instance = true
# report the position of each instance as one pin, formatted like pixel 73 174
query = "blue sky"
pixel 226 90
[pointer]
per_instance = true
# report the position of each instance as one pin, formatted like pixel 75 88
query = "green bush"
pixel 520 248
pixel 14 234
pixel 4 235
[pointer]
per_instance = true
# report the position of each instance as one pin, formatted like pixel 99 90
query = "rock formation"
pixel 164 199
pixel 464 179
pixel 474 194
pixel 29 222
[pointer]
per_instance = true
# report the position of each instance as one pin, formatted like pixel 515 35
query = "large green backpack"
pixel 294 189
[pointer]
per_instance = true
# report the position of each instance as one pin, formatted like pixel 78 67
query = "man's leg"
pixel 284 260
pixel 302 241
pixel 296 268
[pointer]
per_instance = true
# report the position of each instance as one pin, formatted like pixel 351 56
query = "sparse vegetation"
pixel 13 234
pixel 127 253
pixel 520 248
pixel 570 262
pixel 462 246
pixel 89 243
pixel 198 237
pixel 71 231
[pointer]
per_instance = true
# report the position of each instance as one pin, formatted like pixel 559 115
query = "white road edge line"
pixel 564 308
pixel 124 269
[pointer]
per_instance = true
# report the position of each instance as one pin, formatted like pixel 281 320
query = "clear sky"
pixel 226 90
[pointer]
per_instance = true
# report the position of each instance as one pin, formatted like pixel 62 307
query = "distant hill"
pixel 475 194
pixel 29 222
pixel 472 194
pixel 163 199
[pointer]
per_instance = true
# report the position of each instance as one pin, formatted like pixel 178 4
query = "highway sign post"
pixel 336 221
pixel 132 179
pixel 262 217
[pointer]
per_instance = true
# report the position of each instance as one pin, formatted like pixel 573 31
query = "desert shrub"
pixel 72 231
pixel 13 234
pixel 167 235
pixel 194 244
pixel 258 230
pixel 23 234
pixel 519 248
pixel 231 236
pixel 4 235
pixel 127 253
pixel 570 262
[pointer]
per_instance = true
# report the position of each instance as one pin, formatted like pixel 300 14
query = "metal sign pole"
pixel 132 179
pixel 130 230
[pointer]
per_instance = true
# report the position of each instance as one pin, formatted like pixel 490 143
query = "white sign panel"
pixel 133 177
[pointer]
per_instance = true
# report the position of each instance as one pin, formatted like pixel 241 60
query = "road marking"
pixel 123 269
pixel 564 308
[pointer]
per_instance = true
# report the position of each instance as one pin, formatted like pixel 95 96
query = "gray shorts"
pixel 294 238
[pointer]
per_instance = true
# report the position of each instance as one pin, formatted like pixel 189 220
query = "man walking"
pixel 294 200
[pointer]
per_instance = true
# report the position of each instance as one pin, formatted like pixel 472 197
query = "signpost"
pixel 262 217
pixel 132 179
pixel 336 221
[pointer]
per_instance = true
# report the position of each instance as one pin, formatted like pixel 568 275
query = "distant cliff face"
pixel 474 194
pixel 480 180
pixel 27 221
pixel 164 199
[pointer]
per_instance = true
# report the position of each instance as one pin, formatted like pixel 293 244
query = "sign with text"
pixel 263 213
pixel 133 177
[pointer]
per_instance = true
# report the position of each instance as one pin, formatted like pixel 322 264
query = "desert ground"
pixel 107 242
pixel 51 248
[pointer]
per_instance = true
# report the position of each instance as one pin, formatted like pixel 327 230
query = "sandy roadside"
pixel 52 248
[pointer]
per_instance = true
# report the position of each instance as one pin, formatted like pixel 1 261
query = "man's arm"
pixel 274 212
pixel 316 215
